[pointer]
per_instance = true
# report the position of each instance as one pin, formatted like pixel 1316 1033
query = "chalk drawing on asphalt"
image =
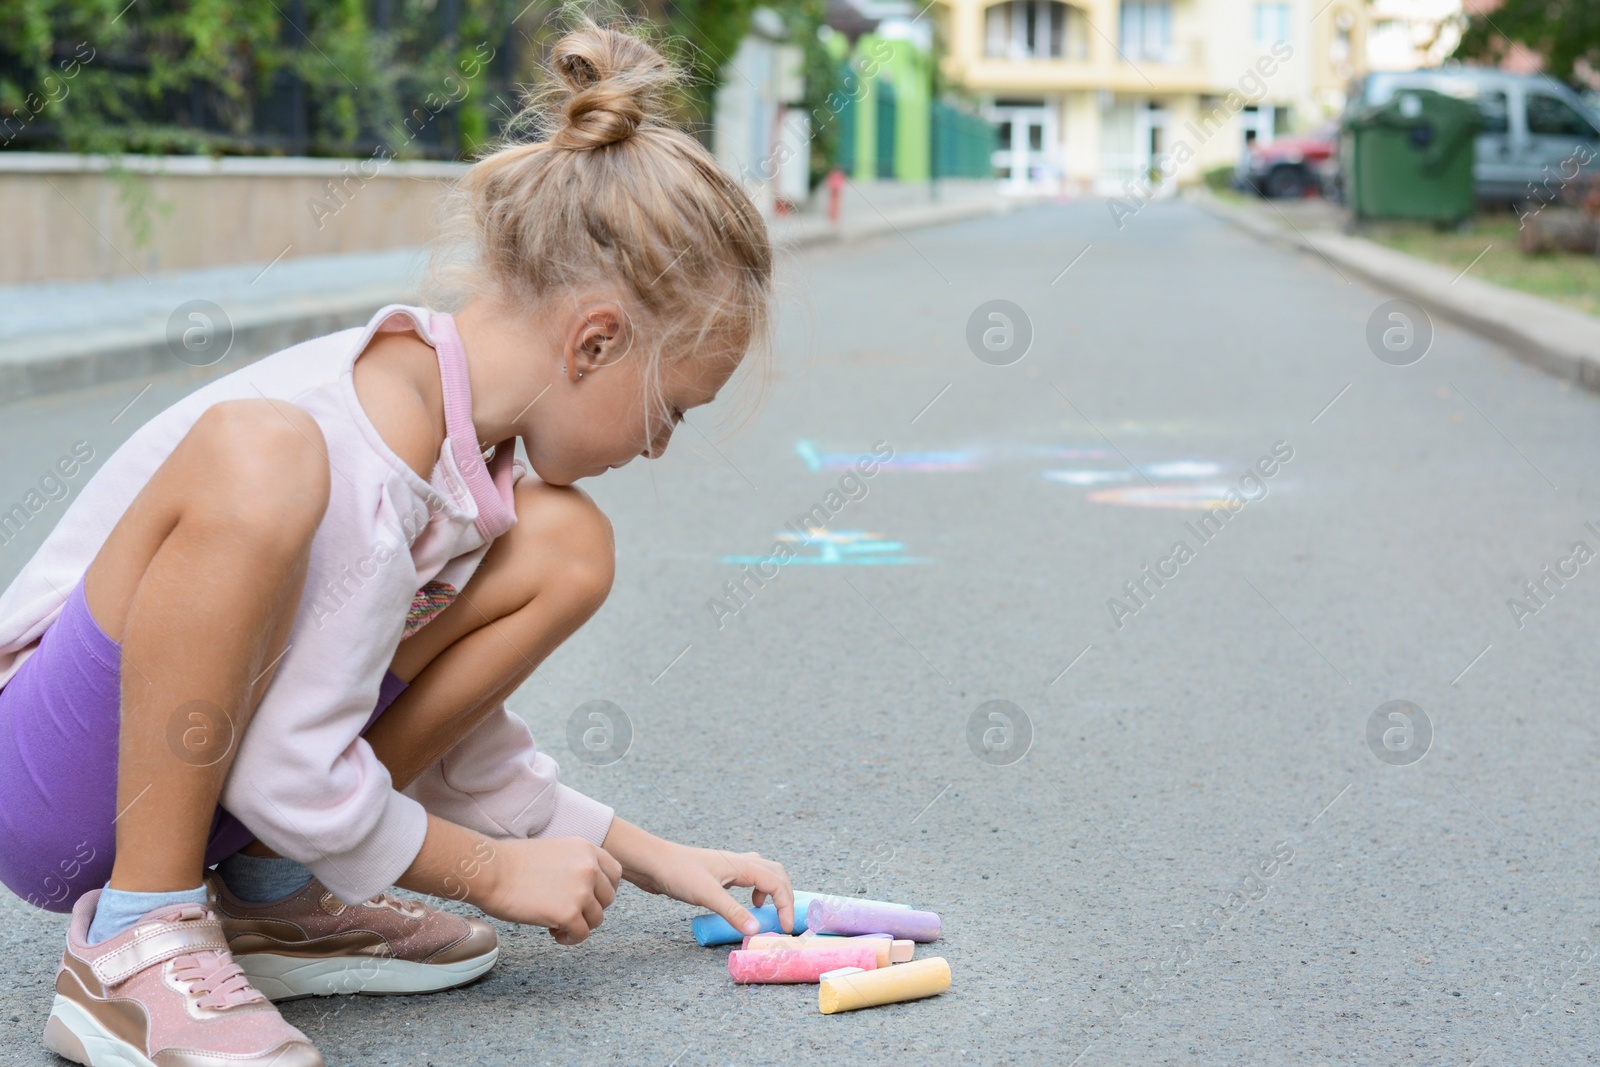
pixel 836 548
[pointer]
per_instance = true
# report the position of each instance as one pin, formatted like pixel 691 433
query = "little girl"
pixel 275 632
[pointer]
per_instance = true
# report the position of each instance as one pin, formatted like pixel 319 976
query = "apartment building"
pixel 1408 34
pixel 1106 95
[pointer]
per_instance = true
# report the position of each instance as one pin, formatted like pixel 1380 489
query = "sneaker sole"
pixel 73 1034
pixel 293 977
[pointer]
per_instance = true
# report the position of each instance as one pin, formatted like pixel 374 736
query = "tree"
pixel 701 37
pixel 1564 32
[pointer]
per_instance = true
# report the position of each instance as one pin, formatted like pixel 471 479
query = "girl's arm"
pixel 701 875
pixel 497 782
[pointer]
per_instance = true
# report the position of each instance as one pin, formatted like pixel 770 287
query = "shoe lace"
pixel 216 979
pixel 411 909
pixel 213 977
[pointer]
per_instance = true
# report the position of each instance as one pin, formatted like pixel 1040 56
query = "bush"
pixel 1219 178
pixel 316 77
pixel 410 78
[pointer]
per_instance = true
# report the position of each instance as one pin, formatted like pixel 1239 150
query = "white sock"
pixel 118 909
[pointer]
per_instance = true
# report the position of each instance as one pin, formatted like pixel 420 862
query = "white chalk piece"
pixel 839 973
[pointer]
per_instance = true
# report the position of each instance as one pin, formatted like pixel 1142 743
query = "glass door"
pixel 1024 147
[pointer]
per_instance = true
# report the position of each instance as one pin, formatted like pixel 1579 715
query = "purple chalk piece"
pixel 841 916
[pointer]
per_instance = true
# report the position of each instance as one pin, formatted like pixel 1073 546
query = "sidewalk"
pixel 60 336
pixel 1556 339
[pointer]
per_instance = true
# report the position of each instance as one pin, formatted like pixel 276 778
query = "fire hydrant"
pixel 835 194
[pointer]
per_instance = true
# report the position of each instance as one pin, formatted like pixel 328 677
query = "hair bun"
pixel 614 84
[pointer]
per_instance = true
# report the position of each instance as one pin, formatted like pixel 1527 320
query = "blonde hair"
pixel 611 190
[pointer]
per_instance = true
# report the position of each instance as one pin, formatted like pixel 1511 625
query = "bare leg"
pixel 199 582
pixel 537 585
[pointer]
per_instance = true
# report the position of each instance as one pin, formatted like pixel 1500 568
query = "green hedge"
pixel 415 78
pixel 254 76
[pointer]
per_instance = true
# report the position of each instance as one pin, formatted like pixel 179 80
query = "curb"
pixel 818 232
pixel 66 363
pixel 1556 339
pixel 63 363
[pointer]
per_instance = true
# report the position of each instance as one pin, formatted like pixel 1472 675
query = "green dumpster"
pixel 1411 158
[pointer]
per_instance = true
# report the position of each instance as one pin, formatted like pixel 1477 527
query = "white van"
pixel 1537 134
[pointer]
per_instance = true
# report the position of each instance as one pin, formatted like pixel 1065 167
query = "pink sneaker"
pixel 311 944
pixel 164 993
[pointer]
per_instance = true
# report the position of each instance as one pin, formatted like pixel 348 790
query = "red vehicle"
pixel 1293 166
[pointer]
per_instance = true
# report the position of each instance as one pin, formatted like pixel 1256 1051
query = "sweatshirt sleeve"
pixel 496 781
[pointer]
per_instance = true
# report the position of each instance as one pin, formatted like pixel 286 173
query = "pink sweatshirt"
pixel 391 553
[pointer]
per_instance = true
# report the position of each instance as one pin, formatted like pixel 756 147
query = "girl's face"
pixel 588 425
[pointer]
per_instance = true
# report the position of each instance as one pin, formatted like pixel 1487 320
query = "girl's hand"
pixel 701 875
pixel 562 883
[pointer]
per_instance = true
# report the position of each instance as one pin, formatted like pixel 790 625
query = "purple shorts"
pixel 59 719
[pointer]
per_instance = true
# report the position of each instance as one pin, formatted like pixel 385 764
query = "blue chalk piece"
pixel 712 930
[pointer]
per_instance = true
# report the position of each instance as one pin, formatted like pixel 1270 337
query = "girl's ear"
pixel 599 336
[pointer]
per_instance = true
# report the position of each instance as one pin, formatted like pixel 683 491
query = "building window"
pixel 1035 29
pixel 1147 31
pixel 1272 24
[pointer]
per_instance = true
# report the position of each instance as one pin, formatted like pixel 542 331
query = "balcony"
pixel 1181 53
pixel 1033 47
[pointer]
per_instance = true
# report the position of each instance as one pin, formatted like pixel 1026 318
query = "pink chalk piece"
pixel 840 916
pixel 753 967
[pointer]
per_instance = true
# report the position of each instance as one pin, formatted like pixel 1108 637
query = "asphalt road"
pixel 1200 858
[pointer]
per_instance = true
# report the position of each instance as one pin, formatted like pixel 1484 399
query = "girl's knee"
pixel 268 475
pixel 565 529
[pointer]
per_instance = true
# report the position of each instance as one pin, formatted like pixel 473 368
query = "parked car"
pixel 1537 134
pixel 1292 166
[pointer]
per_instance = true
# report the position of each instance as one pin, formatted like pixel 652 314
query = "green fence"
pixel 887 116
pixel 889 129
pixel 963 144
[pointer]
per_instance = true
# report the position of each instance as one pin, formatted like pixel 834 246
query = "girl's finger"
pixel 605 890
pixel 723 904
pixel 772 881
pixel 570 935
pixel 613 869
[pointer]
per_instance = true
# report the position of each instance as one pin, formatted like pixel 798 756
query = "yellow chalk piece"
pixel 901 951
pixel 908 981
pixel 784 943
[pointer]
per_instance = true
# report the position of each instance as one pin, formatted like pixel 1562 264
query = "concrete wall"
pixel 72 218
pixel 755 135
